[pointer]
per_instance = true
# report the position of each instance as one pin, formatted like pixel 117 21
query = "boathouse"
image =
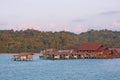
pixel 23 57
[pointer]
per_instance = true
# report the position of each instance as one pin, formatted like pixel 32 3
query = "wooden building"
pixel 93 50
pixel 23 57
pixel 85 51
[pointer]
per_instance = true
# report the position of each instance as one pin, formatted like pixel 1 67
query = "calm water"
pixel 89 69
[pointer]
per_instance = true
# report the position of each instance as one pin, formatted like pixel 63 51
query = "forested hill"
pixel 33 41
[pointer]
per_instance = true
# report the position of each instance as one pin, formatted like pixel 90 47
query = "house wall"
pixel 30 56
pixel 75 56
pixel 57 56
pixel 23 57
pixel 67 56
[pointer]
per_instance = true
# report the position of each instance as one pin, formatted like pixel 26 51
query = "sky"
pixel 60 15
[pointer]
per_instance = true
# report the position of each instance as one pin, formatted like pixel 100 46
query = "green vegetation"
pixel 33 41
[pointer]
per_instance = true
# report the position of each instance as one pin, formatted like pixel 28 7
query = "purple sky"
pixel 57 15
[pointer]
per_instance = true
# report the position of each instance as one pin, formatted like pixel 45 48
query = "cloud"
pixel 76 28
pixel 79 28
pixel 42 27
pixel 110 13
pixel 56 27
pixel 116 24
pixel 50 27
pixel 25 26
pixel 3 23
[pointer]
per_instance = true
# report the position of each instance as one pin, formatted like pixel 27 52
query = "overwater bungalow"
pixel 60 54
pixel 93 50
pixel 85 51
pixel 23 57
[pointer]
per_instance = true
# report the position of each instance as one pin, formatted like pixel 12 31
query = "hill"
pixel 31 40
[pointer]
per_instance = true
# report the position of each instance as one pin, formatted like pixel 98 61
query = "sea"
pixel 41 69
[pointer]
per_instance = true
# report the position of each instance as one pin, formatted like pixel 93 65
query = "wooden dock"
pixel 103 53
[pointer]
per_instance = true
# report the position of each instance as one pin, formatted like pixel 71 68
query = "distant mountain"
pixel 33 41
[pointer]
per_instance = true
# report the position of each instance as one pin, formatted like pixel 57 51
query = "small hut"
pixel 23 57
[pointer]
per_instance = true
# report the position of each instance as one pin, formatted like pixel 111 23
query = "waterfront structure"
pixel 94 50
pixel 85 51
pixel 23 57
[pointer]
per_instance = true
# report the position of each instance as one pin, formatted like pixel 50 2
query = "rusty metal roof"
pixel 90 46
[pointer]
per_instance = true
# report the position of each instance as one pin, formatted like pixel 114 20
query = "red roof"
pixel 107 52
pixel 90 46
pixel 116 50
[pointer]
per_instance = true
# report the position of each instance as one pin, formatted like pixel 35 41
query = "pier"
pixel 85 51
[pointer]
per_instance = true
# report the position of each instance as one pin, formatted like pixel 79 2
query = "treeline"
pixel 33 40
